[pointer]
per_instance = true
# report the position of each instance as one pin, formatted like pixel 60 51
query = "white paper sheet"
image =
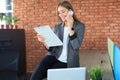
pixel 50 37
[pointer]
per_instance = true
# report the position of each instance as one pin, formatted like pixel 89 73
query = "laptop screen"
pixel 67 74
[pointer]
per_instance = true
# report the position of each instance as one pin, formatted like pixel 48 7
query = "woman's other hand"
pixel 41 38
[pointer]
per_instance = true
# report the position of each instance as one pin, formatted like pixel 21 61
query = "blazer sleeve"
pixel 77 38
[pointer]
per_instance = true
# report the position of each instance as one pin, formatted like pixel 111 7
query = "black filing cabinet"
pixel 12 53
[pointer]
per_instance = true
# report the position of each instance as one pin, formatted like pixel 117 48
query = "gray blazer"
pixel 74 43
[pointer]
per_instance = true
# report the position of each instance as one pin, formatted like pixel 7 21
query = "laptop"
pixel 67 74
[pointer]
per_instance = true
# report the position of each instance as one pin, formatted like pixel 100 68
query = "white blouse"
pixel 63 56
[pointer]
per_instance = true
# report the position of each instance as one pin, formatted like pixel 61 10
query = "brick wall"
pixel 101 18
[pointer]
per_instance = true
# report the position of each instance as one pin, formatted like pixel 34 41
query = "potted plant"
pixel 14 21
pixel 95 73
pixel 1 19
pixel 9 22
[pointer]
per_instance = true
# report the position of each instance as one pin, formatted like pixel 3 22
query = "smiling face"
pixel 62 13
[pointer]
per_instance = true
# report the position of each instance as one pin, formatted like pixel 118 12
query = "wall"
pixel 101 18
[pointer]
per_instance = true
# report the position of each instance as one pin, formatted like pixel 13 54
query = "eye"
pixel 62 11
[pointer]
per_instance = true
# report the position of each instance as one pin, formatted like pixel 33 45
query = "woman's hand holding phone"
pixel 70 22
pixel 69 19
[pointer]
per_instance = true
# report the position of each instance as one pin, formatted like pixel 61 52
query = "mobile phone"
pixel 71 12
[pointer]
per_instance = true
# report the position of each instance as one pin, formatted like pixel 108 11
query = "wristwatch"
pixel 72 28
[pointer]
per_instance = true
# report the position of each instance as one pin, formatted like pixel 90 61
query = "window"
pixel 6 8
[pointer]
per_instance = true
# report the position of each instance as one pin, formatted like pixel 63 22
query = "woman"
pixel 71 32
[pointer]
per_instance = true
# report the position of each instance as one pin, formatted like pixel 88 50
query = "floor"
pixel 94 58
